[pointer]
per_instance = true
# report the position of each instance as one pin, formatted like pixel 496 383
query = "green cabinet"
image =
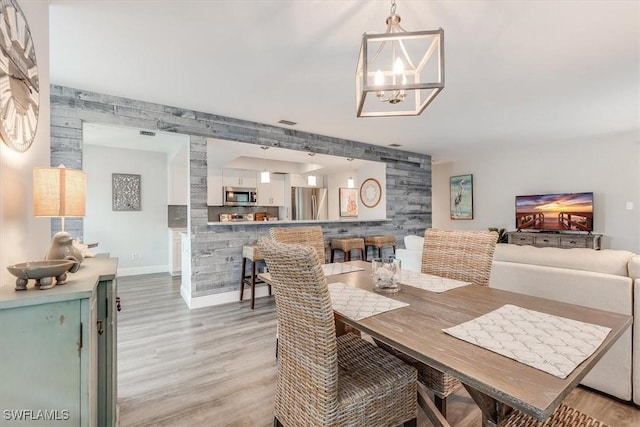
pixel 58 351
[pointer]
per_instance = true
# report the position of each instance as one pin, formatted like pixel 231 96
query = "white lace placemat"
pixel 553 344
pixel 357 304
pixel 429 282
pixel 339 268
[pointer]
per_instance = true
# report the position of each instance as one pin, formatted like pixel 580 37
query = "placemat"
pixel 553 344
pixel 429 282
pixel 357 304
pixel 339 268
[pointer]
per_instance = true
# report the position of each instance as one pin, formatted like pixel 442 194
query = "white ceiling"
pixel 517 72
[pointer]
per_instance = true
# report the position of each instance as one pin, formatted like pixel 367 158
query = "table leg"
pixel 493 411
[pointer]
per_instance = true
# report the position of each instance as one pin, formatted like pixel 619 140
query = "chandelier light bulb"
pixel 351 183
pixel 265 178
pixel 379 79
pixel 398 66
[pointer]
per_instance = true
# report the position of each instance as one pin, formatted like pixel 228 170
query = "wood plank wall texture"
pixel 217 250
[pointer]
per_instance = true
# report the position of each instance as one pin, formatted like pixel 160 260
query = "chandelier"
pixel 399 72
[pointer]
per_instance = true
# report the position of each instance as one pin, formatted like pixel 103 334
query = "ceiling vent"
pixel 287 122
pixel 395 145
pixel 147 133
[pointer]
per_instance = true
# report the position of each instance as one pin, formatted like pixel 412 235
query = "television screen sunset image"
pixel 567 211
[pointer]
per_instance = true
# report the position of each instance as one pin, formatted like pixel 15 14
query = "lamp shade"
pixel 59 192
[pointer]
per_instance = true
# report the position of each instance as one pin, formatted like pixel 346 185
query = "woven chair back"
pixel 311 235
pixel 465 255
pixel 307 348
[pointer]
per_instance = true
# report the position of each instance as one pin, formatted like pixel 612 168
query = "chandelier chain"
pixel 393 7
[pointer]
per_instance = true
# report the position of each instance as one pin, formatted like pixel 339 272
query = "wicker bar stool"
pixel 253 254
pixel 346 245
pixel 379 242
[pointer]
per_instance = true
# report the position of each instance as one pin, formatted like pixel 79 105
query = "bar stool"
pixel 379 242
pixel 346 245
pixel 253 254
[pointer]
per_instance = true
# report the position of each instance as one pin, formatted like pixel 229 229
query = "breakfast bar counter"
pixel 294 222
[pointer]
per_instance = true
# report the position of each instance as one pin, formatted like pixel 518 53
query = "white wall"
pixel 22 236
pixel 608 167
pixel 123 233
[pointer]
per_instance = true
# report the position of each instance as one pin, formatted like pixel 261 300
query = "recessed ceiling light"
pixel 287 122
pixel 395 145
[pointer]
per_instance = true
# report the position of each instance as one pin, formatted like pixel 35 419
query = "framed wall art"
pixel 461 196
pixel 125 192
pixel 348 201
pixel 370 192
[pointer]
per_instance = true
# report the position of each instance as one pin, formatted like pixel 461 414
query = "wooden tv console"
pixel 558 240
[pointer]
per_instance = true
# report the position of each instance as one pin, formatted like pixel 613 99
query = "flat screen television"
pixel 555 212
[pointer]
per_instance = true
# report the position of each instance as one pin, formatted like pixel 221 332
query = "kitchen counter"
pixel 289 221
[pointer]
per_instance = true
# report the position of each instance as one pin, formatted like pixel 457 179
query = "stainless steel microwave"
pixel 240 196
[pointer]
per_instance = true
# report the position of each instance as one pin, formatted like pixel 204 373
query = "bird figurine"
pixel 62 248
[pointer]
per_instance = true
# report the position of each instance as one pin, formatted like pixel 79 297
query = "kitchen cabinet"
pixel 239 178
pixel 214 188
pixel 58 355
pixel 175 250
pixel 272 194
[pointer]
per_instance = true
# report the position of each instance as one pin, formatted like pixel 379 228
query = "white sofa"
pixel 599 279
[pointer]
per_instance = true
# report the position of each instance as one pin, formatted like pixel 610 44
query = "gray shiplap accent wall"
pixel 217 250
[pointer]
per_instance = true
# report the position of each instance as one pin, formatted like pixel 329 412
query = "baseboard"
pixel 150 269
pixel 222 298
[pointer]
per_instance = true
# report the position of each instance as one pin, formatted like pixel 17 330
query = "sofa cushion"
pixel 414 243
pixel 606 261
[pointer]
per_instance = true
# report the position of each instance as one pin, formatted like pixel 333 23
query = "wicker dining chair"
pixel 324 380
pixel 309 235
pixel 465 255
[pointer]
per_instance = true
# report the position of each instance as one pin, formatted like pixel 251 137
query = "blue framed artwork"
pixel 461 196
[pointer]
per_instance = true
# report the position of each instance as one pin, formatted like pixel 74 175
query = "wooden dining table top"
pixel 417 330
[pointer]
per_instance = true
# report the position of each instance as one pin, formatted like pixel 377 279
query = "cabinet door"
pixel 264 194
pixel 214 188
pixel 272 194
pixel 239 178
pixel 106 332
pixel 248 178
pixel 277 190
pixel 41 361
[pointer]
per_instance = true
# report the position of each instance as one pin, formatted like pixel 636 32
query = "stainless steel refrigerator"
pixel 309 203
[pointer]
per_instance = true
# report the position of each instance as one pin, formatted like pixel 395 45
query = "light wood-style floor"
pixel 215 366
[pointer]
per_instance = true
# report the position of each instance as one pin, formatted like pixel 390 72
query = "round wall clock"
pixel 370 192
pixel 19 99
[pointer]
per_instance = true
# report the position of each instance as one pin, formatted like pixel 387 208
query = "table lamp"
pixel 59 192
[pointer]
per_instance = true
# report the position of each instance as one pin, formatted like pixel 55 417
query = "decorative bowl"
pixel 42 271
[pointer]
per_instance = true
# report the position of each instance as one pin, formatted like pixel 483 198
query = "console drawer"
pixel 545 240
pixel 521 239
pixel 574 242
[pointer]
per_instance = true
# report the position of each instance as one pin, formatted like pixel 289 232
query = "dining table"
pixel 496 383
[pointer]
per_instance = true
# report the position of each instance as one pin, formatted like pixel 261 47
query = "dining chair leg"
pixel 441 404
pixel 244 264
pixel 253 284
